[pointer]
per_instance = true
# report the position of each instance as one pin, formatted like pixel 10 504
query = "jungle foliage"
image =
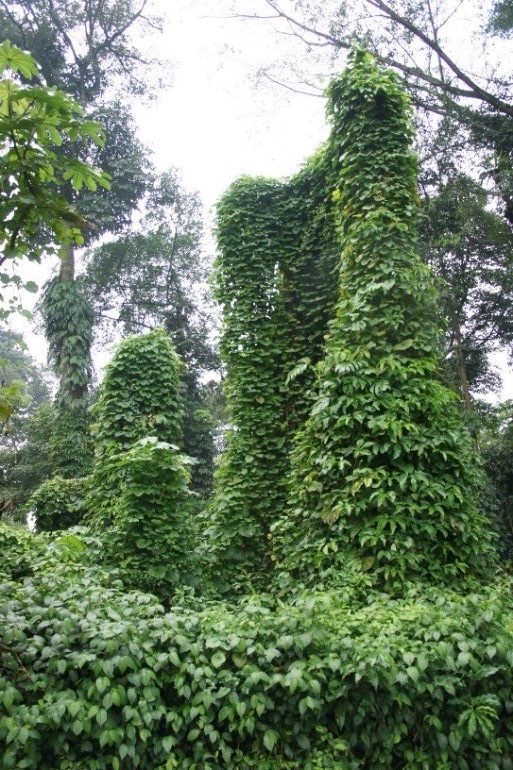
pixel 383 637
pixel 138 489
pixel 38 128
pixel 155 275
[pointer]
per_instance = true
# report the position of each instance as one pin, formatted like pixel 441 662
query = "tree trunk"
pixel 462 370
pixel 67 269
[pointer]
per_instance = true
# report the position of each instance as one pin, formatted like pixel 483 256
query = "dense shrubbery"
pixel 58 503
pixel 95 677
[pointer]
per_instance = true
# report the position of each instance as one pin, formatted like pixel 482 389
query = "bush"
pixel 59 503
pixel 96 678
pixel 149 539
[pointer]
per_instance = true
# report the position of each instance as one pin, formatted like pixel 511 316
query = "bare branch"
pixel 468 87
pixel 477 91
pixel 289 87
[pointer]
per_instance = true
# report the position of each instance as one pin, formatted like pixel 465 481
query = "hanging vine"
pixel 276 284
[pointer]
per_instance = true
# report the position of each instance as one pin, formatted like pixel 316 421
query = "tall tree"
pixel 382 473
pixel 155 275
pixel 87 48
pixel 465 108
pixel 422 41
pixel 470 249
pixel 37 162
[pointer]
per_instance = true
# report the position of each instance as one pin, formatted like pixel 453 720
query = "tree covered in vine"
pixel 68 320
pixel 275 281
pixel 138 489
pixel 383 474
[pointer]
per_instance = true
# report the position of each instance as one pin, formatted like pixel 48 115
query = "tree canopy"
pixel 35 123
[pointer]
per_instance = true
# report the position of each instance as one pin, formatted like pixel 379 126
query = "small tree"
pixel 139 481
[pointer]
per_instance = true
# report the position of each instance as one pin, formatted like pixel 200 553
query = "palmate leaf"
pixel 15 59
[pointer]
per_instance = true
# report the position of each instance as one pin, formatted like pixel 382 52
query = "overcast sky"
pixel 215 122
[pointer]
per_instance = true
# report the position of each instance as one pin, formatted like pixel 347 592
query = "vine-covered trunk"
pixel 383 473
pixel 67 266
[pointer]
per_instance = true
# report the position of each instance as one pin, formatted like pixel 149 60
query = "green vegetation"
pixel 383 472
pixel 36 124
pixel 338 606
pixel 138 488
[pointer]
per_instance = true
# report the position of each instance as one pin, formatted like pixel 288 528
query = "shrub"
pixel 95 678
pixel 59 503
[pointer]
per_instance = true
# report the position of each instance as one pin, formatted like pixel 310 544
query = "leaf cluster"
pixel 58 503
pixel 34 122
pixel 383 472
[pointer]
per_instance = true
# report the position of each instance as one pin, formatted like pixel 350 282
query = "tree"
pixel 68 321
pixel 35 122
pixel 382 471
pixel 138 489
pixel 465 109
pixel 23 393
pixel 25 459
pixel 470 250
pixel 83 46
pixel 419 40
pixel 408 37
pixel 155 275
pixel 87 49
pixel 497 450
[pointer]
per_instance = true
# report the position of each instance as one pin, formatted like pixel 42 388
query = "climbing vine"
pixel 382 473
pixel 139 493
pixel 139 394
pixel 276 284
pixel 58 503
pixel 384 670
pixel 68 319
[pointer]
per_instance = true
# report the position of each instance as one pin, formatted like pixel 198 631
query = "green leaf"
pixel 270 739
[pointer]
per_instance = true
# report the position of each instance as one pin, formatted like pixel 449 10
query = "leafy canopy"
pixel 35 122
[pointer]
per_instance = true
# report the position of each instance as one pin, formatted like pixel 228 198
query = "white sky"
pixel 214 123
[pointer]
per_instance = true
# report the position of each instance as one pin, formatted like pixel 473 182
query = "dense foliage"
pixel 24 413
pixel 470 250
pixel 276 282
pixel 95 677
pixel 138 488
pixel 36 124
pixel 68 321
pixel 153 276
pixel 398 652
pixel 139 394
pixel 58 503
pixel 383 472
pixel 382 427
